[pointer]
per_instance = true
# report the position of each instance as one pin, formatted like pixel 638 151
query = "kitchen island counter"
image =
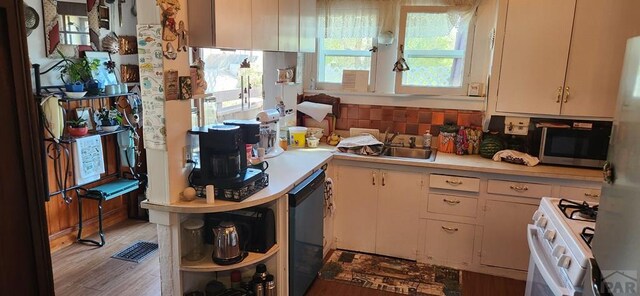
pixel 285 171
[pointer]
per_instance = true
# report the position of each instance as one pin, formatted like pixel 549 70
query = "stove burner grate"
pixel 578 211
pixel 587 235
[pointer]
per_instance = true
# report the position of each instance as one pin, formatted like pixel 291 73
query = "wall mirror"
pixel 72 26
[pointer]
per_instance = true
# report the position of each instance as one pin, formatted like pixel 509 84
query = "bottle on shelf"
pixel 259 278
pixel 236 279
pixel 270 286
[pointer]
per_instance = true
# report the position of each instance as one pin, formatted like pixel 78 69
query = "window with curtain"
pixel 434 44
pixel 346 38
pixel 432 37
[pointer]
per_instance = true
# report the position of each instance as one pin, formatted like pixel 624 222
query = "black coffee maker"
pixel 222 159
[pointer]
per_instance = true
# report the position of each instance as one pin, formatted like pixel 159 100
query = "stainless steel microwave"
pixel 571 142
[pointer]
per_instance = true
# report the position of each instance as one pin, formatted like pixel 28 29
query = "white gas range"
pixel 558 241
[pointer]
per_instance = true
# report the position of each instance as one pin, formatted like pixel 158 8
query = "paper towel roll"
pixel 315 110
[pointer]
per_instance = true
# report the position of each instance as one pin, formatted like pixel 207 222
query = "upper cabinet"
pixel 289 22
pixel 233 25
pixel 264 24
pixel 308 27
pixel 284 25
pixel 563 57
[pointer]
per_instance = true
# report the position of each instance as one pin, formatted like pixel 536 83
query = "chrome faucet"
pixel 412 142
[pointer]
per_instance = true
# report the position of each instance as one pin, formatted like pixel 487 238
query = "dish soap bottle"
pixel 426 140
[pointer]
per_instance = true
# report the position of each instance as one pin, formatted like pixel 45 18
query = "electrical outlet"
pixel 186 155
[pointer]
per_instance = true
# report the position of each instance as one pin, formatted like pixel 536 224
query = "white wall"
pixel 36 43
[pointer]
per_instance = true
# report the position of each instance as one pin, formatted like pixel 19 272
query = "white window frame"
pixel 233 95
pixel 462 89
pixel 321 54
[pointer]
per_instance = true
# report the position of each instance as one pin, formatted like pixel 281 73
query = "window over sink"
pixel 435 37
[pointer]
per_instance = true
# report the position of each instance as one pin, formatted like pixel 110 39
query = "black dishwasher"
pixel 306 202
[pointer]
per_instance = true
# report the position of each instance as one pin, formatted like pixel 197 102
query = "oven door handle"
pixel 538 260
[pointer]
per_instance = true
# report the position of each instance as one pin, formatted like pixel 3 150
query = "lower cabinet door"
pixel 398 214
pixel 504 239
pixel 356 208
pixel 449 242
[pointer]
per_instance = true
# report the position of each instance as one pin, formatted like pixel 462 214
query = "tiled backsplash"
pixel 405 120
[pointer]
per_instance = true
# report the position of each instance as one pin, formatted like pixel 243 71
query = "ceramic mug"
pixel 285 75
pixel 111 89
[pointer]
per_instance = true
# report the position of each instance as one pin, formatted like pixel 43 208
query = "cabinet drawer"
pixel 518 188
pixel 452 205
pixel 449 242
pixel 454 183
pixel 577 193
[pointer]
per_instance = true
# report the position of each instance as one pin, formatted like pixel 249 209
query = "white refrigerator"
pixel 616 244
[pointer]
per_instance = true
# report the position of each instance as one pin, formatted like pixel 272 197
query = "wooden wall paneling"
pixel 62 217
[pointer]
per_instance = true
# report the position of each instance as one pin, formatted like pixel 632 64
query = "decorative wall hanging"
pixel 169 9
pixel 128 45
pixel 110 43
pixel 52 28
pixel 199 83
pixel 130 73
pixel 171 86
pixel 170 52
pixel 31 19
pixel 183 37
pixel 186 91
pixel 151 86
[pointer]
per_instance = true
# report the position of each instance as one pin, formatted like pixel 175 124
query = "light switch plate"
pixel 516 126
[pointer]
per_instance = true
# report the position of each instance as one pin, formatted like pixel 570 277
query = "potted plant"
pixel 78 127
pixel 109 119
pixel 77 72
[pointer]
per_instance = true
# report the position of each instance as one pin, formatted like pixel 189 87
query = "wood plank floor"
pixel 87 271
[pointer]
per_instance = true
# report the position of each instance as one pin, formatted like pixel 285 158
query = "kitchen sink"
pixel 417 153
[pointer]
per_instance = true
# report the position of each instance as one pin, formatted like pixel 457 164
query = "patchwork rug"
pixel 392 274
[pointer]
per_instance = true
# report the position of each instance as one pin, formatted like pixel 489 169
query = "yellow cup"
pixel 298 136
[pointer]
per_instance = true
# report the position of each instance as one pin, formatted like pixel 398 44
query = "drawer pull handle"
pixel 373 178
pixel 594 195
pixel 449 229
pixel 451 202
pixel 383 179
pixel 454 182
pixel 519 188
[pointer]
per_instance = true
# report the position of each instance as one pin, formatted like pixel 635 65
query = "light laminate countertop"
pixel 475 163
pixel 285 171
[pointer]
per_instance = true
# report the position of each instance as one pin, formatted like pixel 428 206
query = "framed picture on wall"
pixel 104 73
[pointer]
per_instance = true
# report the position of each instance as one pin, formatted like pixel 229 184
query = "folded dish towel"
pixel 315 110
pixel 516 157
pixel 329 203
pixel 89 160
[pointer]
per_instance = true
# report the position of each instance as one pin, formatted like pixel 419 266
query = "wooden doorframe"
pixel 28 264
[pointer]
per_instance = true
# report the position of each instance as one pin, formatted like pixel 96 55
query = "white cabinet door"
pixel 534 56
pixel 264 24
pixel 233 24
pixel 307 26
pixel 598 43
pixel 356 210
pixel 289 24
pixel 449 242
pixel 398 214
pixel 504 240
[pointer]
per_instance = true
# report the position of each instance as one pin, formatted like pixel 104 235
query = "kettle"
pixel 226 244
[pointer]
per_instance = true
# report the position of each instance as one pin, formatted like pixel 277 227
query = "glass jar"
pixel 193 241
